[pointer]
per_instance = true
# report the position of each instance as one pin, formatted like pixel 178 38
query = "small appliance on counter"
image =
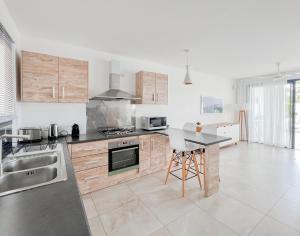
pixel 35 134
pixel 153 123
pixel 75 131
pixel 53 131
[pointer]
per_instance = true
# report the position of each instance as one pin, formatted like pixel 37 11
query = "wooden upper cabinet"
pixel 161 89
pixel 48 78
pixel 39 77
pixel 73 80
pixel 152 88
pixel 145 87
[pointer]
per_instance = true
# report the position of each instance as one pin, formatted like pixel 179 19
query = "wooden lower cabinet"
pixel 152 153
pixel 92 179
pixel 90 162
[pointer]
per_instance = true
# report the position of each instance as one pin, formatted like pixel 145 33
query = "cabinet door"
pixel 158 152
pixel 73 80
pixel 161 89
pixel 39 77
pixel 145 87
pixel 145 153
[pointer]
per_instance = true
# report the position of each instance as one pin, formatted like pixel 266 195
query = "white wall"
pixel 184 101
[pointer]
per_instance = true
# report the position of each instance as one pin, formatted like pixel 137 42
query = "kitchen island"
pixel 211 144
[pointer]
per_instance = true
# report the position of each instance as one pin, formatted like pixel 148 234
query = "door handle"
pixel 63 91
pixel 153 97
pixel 53 91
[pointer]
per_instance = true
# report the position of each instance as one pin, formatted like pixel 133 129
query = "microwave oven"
pixel 153 122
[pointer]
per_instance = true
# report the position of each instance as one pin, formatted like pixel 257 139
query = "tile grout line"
pixel 282 198
pixel 148 209
pixel 98 216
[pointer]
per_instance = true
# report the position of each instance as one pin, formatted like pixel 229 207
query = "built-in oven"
pixel 123 155
pixel 153 122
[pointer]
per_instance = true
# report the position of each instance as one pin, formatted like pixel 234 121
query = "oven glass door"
pixel 158 122
pixel 122 159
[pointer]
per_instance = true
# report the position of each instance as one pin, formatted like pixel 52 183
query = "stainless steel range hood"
pixel 114 92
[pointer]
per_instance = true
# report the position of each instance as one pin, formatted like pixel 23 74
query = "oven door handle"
pixel 125 149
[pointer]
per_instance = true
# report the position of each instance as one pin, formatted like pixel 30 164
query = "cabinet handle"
pixel 92 177
pixel 63 91
pixel 92 162
pixel 142 145
pixel 153 97
pixel 157 97
pixel 53 91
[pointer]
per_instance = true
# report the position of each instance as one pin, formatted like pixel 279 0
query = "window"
pixel 7 76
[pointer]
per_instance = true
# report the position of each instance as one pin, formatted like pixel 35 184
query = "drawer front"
pixel 88 162
pixel 92 179
pixel 89 148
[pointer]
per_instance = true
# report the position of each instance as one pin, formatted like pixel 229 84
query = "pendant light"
pixel 187 78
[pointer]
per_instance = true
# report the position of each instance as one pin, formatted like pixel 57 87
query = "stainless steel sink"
pixel 28 178
pixel 32 169
pixel 29 163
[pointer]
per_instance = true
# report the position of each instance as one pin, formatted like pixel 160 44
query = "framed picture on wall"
pixel 211 105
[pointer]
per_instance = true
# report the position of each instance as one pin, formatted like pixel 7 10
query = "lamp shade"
pixel 187 78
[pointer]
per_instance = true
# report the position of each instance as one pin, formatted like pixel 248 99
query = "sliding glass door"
pixel 294 107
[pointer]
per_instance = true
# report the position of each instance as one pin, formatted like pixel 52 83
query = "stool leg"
pixel 197 169
pixel 169 169
pixel 187 170
pixel 183 173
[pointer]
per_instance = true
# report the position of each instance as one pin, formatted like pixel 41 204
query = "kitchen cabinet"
pixel 158 152
pixel 161 88
pixel 46 78
pixel 73 80
pixel 230 130
pixel 39 74
pixel 145 154
pixel 152 88
pixel 90 162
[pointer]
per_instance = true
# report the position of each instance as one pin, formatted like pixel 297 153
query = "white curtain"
pixel 266 103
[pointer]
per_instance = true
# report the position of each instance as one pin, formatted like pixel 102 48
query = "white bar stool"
pixel 201 149
pixel 183 155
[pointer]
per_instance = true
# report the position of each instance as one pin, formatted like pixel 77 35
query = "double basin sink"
pixel 30 170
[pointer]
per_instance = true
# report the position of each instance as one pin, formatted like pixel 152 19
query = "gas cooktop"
pixel 116 131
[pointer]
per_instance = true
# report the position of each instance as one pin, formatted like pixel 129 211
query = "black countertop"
pixel 54 209
pixel 202 138
pixel 96 136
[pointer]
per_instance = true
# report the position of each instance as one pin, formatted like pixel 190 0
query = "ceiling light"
pixel 187 78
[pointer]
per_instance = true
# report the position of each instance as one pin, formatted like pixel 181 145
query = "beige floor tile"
pixel 256 198
pixel 167 204
pixel 197 222
pixel 287 212
pixel 89 206
pixel 238 216
pixel 96 227
pixel 271 227
pixel 293 194
pixel 161 232
pixel 145 185
pixel 111 198
pixel 132 219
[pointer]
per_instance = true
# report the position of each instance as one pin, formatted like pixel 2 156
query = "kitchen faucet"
pixel 8 136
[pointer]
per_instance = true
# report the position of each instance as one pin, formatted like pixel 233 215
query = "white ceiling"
pixel 233 38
